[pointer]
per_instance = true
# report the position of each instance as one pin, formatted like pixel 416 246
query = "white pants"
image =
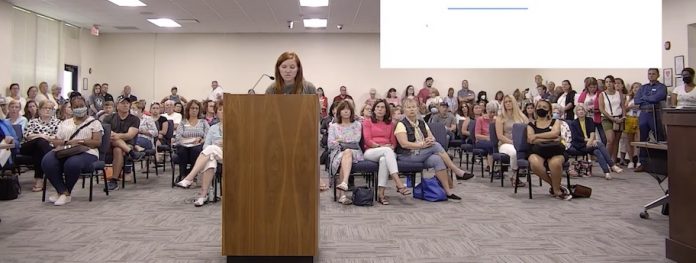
pixel 387 163
pixel 509 149
pixel 214 154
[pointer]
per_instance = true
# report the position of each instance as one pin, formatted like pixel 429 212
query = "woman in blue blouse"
pixel 207 161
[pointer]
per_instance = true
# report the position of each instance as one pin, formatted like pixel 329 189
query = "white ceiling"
pixel 215 16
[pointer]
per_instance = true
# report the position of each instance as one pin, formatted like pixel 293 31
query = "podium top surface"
pixel 651 145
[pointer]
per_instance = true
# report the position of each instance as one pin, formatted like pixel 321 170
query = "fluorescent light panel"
pixel 128 2
pixel 315 22
pixel 164 22
pixel 314 3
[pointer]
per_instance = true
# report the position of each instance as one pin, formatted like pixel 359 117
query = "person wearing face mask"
pixel 147 130
pixel 481 98
pixel 544 135
pixel 124 130
pixel 289 77
pixel 81 129
pixel 684 95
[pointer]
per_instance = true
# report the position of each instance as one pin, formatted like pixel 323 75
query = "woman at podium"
pixel 289 78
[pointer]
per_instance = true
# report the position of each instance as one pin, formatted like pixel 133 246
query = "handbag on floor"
pixel 429 189
pixel 9 187
pixel 363 196
pixel 580 191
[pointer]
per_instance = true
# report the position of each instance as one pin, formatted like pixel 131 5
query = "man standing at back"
pixel 216 93
pixel 650 99
pixel 532 93
pixel 342 96
pixel 465 94
pixel 424 93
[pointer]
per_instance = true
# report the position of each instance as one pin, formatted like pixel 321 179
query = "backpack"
pixel 9 187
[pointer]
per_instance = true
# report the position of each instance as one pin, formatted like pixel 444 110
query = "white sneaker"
pixel 200 201
pixel 63 199
pixel 616 169
pixel 345 200
pixel 631 165
pixel 184 183
pixel 53 198
pixel 607 176
pixel 342 186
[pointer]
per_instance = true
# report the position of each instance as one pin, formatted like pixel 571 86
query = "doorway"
pixel 69 80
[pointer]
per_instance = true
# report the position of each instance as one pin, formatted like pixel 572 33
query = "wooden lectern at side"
pixel 270 203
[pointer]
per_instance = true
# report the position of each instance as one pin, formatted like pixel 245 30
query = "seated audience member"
pixel 37 137
pixel 207 161
pixel 365 113
pixel 108 110
pixel 373 97
pixel 170 114
pixel 463 116
pixel 397 115
pixel 481 98
pixel 434 99
pixel 126 93
pixel 415 143
pixel 13 115
pixel 482 133
pixel 544 135
pixel 477 111
pixel 210 115
pixel 14 96
pixel 451 100
pixel 96 100
pixel 124 130
pixel 566 136
pixel 179 108
pixel 31 93
pixel 344 143
pixel 510 114
pixel 409 93
pixel 323 103
pixel 64 173
pixel 446 118
pixel 393 98
pixel 56 95
pixel 147 131
pixel 584 140
pixel 380 143
pixel 684 95
pixel 162 127
pixel 174 97
pixel 190 136
pixel 3 107
pixel 529 110
pixel 324 130
pixel 31 110
pixel 498 100
pixel 64 111
pixel 105 92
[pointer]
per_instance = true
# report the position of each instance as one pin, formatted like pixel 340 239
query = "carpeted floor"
pixel 152 222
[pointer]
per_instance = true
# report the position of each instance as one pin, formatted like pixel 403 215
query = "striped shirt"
pixel 186 133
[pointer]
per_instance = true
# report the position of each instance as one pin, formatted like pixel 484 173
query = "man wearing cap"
pixel 124 129
pixel 446 118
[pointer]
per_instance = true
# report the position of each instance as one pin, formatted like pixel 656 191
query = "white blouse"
pixel 68 127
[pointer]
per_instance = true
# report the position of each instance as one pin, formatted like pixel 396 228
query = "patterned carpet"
pixel 151 222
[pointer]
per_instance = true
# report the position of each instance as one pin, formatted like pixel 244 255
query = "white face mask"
pixel 483 97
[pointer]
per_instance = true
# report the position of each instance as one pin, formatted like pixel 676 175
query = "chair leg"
pixel 135 179
pixel 502 176
pixel 529 181
pixel 517 178
pixel 90 185
pixel 83 182
pixel 147 164
pixel 482 172
pixel 106 188
pixel 43 195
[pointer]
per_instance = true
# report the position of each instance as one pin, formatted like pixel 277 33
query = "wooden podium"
pixel 270 178
pixel 681 127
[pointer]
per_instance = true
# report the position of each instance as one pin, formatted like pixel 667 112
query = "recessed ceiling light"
pixel 128 2
pixel 164 22
pixel 315 22
pixel 314 3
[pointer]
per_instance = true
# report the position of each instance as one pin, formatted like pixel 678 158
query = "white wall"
pixel 676 16
pixel 5 43
pixel 153 63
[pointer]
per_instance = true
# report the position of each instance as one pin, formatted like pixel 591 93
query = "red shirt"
pixel 482 125
pixel 378 133
pixel 340 98
pixel 423 95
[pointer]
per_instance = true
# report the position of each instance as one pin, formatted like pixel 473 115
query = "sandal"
pixel 403 190
pixel 383 200
pixel 323 187
pixel 519 183
pixel 37 189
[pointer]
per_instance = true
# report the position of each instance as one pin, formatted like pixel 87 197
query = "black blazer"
pixel 577 137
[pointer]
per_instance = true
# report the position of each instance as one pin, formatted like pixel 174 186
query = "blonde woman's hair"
pixel 516 116
pixel 580 106
pixel 409 101
pixel 43 103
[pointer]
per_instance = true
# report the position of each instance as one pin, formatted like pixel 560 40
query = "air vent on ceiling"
pixel 126 28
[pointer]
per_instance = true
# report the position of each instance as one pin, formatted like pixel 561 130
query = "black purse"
pixel 363 196
pixel 67 150
pixel 9 186
pixel 349 145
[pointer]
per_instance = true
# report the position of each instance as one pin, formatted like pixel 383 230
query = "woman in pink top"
pixel 483 136
pixel 379 139
pixel 392 98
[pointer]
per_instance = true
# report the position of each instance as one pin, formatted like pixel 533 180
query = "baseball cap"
pixel 123 98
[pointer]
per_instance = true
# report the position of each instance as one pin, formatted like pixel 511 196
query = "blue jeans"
pixel 63 174
pixel 142 142
pixel 603 158
pixel 428 156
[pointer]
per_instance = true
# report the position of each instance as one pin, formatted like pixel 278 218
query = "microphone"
pixel 257 82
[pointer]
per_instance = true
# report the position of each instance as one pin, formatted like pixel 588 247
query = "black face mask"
pixel 688 79
pixel 542 113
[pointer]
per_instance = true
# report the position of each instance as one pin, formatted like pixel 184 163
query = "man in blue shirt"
pixel 650 99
